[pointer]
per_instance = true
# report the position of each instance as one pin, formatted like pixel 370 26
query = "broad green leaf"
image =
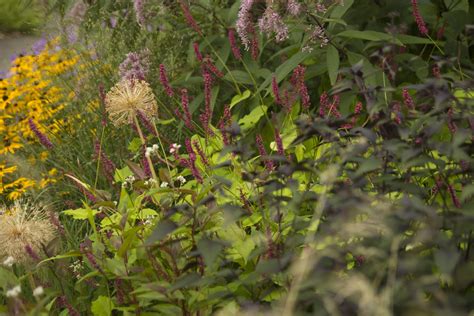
pixel 161 230
pixel 370 36
pixel 210 250
pixel 239 98
pixel 81 213
pixel 239 76
pixel 338 12
pixel 332 60
pixel 284 69
pixel 102 306
pixel 251 119
pixel 122 174
pixel 410 39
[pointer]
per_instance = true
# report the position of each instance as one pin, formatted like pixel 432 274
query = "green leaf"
pixel 284 69
pixel 370 36
pixel 102 306
pixel 339 12
pixel 210 250
pixel 410 39
pixel 239 76
pixel 161 230
pixel 251 119
pixel 164 122
pixel 121 174
pixel 239 98
pixel 81 213
pixel 332 60
pixel 135 145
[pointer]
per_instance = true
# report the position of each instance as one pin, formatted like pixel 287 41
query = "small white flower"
pixel 8 262
pixel 174 148
pixel 148 151
pixel 181 179
pixel 14 291
pixel 38 291
pixel 155 148
pixel 164 184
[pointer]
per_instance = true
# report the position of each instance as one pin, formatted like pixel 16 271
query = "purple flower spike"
pixel 44 140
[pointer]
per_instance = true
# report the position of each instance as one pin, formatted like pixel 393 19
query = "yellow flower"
pixel 24 225
pixel 6 170
pixel 126 98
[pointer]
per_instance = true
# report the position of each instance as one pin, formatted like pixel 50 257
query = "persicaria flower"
pixel 201 152
pixel 189 17
pixel 164 81
pixel 233 45
pixel 418 18
pixel 126 98
pixel 279 143
pixel 408 100
pixel 297 80
pixel 197 52
pixel 276 91
pixel 209 65
pixel 261 150
pixel 185 107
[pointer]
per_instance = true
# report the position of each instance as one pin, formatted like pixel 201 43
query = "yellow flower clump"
pixel 29 92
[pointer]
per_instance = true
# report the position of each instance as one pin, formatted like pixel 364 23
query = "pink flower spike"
pixel 408 100
pixel 197 52
pixel 164 81
pixel 233 45
pixel 261 150
pixel 189 18
pixel 418 18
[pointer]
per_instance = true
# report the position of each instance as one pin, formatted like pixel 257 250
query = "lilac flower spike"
pixel 164 81
pixel 244 24
pixel 271 22
pixel 418 18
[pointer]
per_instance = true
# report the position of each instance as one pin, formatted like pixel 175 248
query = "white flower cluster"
pixel 14 291
pixel 38 291
pixel 8 262
pixel 151 150
pixel 76 267
pixel 128 182
pixel 150 182
pixel 174 148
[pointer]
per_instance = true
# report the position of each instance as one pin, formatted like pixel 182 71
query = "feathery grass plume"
pixel 126 98
pixel 24 226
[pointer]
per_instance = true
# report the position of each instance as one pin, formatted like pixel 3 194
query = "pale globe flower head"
pixel 128 97
pixel 38 291
pixel 14 291
pixel 164 184
pixel 24 225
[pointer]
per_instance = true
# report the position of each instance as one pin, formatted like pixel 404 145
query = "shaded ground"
pixel 13 44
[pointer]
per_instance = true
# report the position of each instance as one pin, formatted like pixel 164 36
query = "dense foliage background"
pixel 298 157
